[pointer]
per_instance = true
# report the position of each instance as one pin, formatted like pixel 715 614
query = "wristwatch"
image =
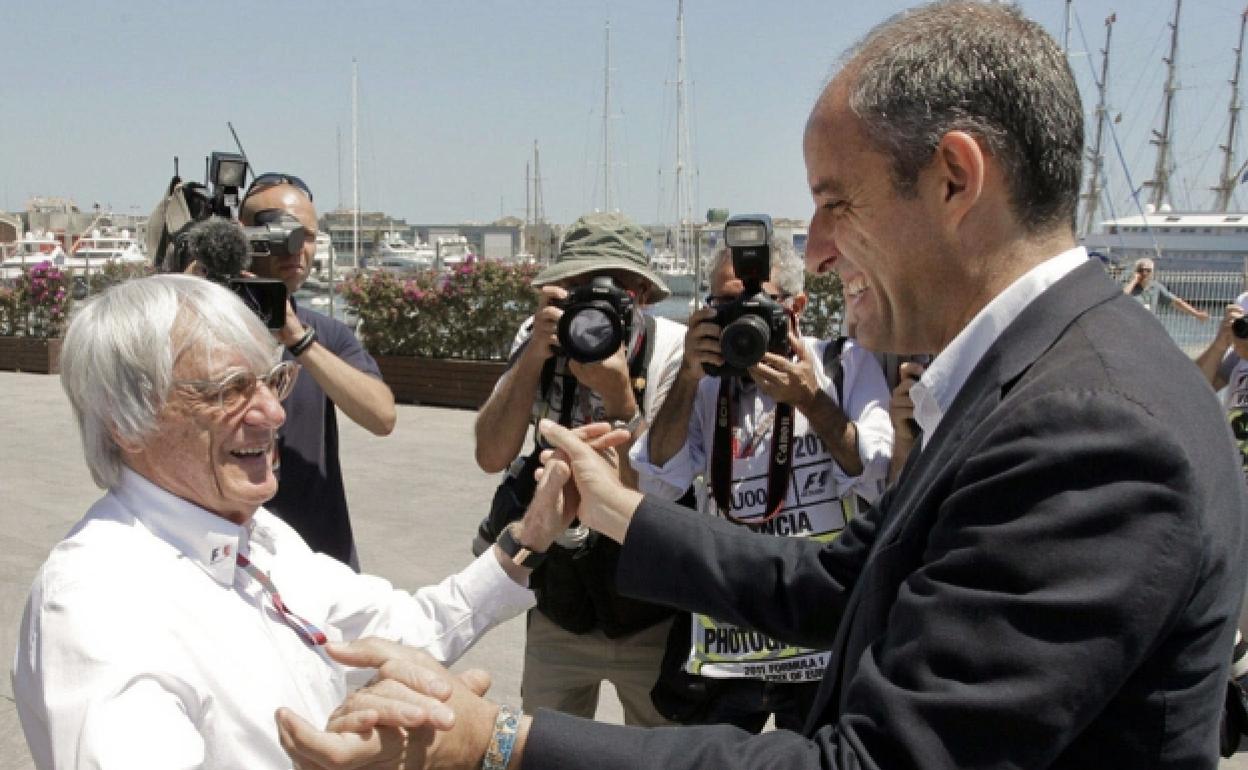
pixel 519 554
pixel 632 425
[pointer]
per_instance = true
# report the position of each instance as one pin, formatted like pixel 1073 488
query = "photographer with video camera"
pixel 789 431
pixel 310 494
pixel 588 354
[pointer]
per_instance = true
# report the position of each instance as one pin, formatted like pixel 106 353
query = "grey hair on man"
pixel 788 272
pixel 985 69
pixel 118 356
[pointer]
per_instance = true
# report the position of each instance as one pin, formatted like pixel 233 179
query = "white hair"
pixel 788 271
pixel 118 356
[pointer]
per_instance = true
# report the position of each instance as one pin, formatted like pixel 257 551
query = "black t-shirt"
pixel 310 494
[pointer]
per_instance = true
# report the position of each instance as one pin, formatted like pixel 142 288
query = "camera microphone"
pixel 220 248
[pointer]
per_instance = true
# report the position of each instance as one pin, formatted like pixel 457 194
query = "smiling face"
pixel 221 461
pixel 292 270
pixel 883 245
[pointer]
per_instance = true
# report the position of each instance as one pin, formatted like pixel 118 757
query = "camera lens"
pixel 1239 327
pixel 744 341
pixel 590 333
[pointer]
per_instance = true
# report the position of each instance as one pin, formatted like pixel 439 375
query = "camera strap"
pixel 778 469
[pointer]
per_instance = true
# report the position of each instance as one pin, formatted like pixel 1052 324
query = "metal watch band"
pixel 632 425
pixel 519 554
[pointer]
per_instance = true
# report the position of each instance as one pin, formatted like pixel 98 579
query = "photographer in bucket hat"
pixel 588 354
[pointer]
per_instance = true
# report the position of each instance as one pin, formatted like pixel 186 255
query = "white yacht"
pixel 92 252
pixel 28 251
pixel 1176 240
pixel 396 255
pixel 452 251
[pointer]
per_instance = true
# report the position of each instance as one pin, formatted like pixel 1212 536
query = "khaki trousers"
pixel 564 671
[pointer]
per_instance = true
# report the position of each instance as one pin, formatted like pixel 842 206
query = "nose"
pixel 821 247
pixel 264 409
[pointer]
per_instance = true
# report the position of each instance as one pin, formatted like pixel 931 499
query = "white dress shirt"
pixel 144 645
pixel 866 405
pixel 933 394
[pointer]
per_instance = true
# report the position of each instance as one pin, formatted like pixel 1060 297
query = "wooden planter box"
pixel 440 381
pixel 30 354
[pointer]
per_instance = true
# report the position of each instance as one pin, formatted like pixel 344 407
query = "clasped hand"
pixel 415 713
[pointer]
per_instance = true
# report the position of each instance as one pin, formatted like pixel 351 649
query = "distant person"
pixel 827 401
pixel 1153 294
pixel 1053 581
pixel 583 631
pixel 339 373
pixel 154 635
pixel 1225 364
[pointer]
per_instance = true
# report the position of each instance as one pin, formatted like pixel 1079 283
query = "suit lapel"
pixel 1035 330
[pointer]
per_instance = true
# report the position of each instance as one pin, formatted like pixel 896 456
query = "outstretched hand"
pixel 596 496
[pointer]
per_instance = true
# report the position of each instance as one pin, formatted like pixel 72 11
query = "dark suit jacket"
pixel 1052 583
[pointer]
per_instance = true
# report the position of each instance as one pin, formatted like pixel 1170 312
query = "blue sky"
pixel 99 97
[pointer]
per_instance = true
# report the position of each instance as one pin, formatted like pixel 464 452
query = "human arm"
pixel 901 413
pixel 1183 305
pixel 670 427
pixel 795 382
pixel 335 361
pixel 1211 359
pixel 503 420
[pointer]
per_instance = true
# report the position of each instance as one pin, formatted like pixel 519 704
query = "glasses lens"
pixel 282 379
pixel 236 389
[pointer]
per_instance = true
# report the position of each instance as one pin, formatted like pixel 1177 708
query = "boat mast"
pixel 355 162
pixel 1161 174
pixel 539 205
pixel 1227 179
pixel 684 203
pixel 1093 196
pixel 606 123
pixel 1066 30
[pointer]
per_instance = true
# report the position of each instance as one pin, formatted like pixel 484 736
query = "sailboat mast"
pixel 539 206
pixel 681 192
pixel 355 161
pixel 1093 196
pixel 606 123
pixel 1161 174
pixel 1227 179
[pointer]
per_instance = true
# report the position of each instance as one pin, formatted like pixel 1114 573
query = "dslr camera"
pixel 597 318
pixel 752 324
pixel 1239 327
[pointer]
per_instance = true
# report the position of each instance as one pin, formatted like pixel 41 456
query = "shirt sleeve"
pixel 338 338
pixel 671 480
pixel 1227 365
pixel 444 619
pixel 866 405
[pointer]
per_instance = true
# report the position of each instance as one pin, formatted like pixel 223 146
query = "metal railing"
pixel 1208 291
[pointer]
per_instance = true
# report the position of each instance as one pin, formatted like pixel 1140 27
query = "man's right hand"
pixel 1225 333
pixel 601 500
pixel 701 343
pixel 545 336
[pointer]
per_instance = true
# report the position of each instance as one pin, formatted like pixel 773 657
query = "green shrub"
pixel 471 312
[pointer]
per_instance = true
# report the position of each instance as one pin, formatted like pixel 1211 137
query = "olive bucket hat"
pixel 603 241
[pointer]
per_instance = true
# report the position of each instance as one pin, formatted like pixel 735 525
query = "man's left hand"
pixel 788 381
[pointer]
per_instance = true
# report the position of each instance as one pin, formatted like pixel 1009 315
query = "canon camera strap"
pixel 723 450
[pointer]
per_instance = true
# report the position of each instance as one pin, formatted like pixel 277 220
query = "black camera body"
pixel 1239 327
pixel 753 324
pixel 275 234
pixel 265 296
pixel 597 318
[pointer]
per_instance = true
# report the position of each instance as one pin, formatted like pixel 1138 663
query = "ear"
pixel 961 165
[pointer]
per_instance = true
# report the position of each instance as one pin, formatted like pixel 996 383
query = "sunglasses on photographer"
pixel 273 179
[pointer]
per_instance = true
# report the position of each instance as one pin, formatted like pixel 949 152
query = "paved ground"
pixel 416 498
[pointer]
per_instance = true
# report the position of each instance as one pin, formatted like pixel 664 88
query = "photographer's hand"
pixel 701 344
pixel 788 381
pixel 545 336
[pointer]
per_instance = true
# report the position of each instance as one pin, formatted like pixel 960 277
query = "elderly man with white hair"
pixel 1153 294
pixel 155 634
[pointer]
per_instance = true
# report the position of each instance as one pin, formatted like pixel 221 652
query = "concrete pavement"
pixel 416 497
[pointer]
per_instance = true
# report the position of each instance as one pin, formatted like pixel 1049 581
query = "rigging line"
pixel 1113 135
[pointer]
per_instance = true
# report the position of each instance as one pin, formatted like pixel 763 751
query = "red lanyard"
pixel 722 455
pixel 307 632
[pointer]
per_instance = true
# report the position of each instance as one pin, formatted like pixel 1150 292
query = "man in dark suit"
pixel 1053 580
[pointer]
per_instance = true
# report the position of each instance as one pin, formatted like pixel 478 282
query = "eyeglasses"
pixel 273 179
pixel 237 388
